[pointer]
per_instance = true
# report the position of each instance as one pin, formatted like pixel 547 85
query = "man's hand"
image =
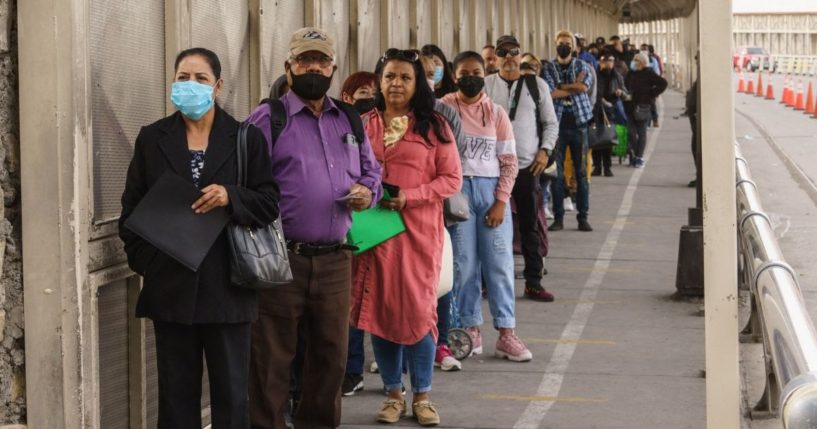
pixel 361 199
pixel 540 162
pixel 395 203
pixel 495 215
pixel 214 196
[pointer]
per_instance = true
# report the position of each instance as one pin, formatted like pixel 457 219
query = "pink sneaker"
pixel 510 347
pixel 476 340
pixel 445 360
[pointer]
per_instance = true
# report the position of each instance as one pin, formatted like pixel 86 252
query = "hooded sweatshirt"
pixel 490 148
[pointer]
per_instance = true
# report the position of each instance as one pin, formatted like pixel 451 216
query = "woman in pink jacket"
pixel 394 292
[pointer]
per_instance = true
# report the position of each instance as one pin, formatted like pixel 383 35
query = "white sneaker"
pixel 548 213
pixel 569 207
pixel 374 368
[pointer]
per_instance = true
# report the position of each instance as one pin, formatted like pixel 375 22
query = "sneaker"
pixel 445 360
pixel 639 163
pixel 569 207
pixel 584 225
pixel 374 368
pixel 402 390
pixel 352 383
pixel 557 225
pixel 608 172
pixel 391 411
pixel 548 213
pixel 425 413
pixel 655 123
pixel 510 347
pixel 476 340
pixel 538 293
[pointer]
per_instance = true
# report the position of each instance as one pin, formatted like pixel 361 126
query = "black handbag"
pixel 601 135
pixel 642 113
pixel 258 256
pixel 456 209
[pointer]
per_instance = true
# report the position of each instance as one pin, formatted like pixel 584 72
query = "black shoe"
pixel 692 184
pixel 596 172
pixel 544 271
pixel 556 226
pixel 608 172
pixel 584 226
pixel 352 383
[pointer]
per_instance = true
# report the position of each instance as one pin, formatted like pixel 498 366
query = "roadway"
pixel 616 349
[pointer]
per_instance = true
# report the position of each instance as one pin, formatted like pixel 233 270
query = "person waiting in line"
pixel 443 78
pixel 317 160
pixel 198 313
pixel 531 65
pixel 394 296
pixel 644 86
pixel 483 244
pixel 358 90
pixel 611 89
pixel 570 80
pixel 444 358
pixel 583 52
pixel 535 130
pixel 489 56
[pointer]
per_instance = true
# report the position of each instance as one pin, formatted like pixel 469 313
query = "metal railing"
pixel 779 316
pixel 795 64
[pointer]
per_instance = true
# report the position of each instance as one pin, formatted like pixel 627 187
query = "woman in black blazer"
pixel 201 313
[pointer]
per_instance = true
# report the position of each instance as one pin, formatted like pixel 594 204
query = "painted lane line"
pixel 544 398
pixel 556 368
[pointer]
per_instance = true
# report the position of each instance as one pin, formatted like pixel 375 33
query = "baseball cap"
pixel 311 39
pixel 507 40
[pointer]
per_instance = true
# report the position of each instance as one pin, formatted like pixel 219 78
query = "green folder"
pixel 373 226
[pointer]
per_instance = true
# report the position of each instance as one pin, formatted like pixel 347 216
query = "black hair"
pixel 277 89
pixel 447 85
pixel 489 46
pixel 468 55
pixel 421 103
pixel 209 56
pixel 651 48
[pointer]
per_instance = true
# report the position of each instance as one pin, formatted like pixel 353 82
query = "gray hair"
pixel 644 58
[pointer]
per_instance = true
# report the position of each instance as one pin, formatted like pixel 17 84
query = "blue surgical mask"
pixel 438 74
pixel 193 99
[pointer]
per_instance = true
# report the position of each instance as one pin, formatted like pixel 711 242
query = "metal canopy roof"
pixel 647 10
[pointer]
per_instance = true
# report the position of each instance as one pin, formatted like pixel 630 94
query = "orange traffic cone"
pixel 759 92
pixel 809 101
pixel 750 87
pixel 790 99
pixel 785 97
pixel 799 105
pixel 770 91
pixel 741 84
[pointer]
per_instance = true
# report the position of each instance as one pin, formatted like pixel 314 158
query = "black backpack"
pixel 278 118
pixel 533 88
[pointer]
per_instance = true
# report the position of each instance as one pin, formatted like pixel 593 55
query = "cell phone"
pixel 391 190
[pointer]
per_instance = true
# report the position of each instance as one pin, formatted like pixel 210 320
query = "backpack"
pixel 533 88
pixel 278 118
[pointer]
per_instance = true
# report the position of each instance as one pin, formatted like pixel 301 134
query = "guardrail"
pixel 779 316
pixel 795 64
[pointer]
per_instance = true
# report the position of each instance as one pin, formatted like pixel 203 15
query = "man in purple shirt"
pixel 323 173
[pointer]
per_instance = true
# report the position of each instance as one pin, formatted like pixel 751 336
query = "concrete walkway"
pixel 614 350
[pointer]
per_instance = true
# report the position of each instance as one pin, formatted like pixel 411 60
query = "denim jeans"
pixel 576 139
pixel 355 356
pixel 480 250
pixel 638 137
pixel 444 318
pixel 419 357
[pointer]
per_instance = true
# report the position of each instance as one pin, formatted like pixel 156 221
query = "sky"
pixel 744 6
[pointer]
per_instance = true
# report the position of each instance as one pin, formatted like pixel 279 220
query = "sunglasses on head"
pixel 502 52
pixel 400 54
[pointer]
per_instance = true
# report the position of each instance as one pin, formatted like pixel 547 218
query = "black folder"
pixel 165 219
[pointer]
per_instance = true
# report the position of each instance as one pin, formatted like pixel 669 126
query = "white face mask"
pixel 430 83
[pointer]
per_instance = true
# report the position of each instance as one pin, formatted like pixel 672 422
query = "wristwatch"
pixel 548 152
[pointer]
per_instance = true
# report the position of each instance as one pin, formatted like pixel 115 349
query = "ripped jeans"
pixel 480 250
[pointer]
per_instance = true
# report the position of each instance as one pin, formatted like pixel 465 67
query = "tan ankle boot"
pixel 425 413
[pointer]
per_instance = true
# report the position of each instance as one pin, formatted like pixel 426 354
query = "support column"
pixel 720 247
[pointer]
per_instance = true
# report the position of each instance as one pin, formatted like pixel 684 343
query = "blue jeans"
pixel 576 139
pixel 444 318
pixel 419 357
pixel 355 356
pixel 480 250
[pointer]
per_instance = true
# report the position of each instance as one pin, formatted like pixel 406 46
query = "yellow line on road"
pixel 544 398
pixel 569 341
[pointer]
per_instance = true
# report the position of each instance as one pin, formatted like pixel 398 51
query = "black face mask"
pixel 471 85
pixel 310 86
pixel 564 51
pixel 364 105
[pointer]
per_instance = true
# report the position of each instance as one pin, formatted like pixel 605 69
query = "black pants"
pixel 179 359
pixel 602 157
pixel 524 196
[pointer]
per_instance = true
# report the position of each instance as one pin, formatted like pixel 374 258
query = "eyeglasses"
pixel 304 60
pixel 502 52
pixel 406 55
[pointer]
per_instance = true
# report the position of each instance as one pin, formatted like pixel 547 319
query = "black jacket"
pixel 608 84
pixel 645 86
pixel 171 292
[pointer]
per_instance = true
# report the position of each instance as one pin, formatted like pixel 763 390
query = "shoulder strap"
pixel 515 100
pixel 533 87
pixel 277 117
pixel 241 153
pixel 354 118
